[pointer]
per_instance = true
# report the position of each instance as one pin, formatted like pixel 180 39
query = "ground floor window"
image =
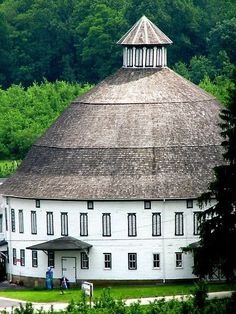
pixel 107 260
pixel 34 259
pixel 84 260
pixel 14 256
pixel 156 260
pixel 179 260
pixel 22 257
pixel 132 261
pixel 51 259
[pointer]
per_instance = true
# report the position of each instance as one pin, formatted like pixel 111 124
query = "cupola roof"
pixel 144 32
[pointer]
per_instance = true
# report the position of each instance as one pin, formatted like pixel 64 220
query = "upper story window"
pixel 90 205
pixel 132 228
pixel 6 219
pixel 50 224
pixel 106 225
pixel 149 57
pixel 107 260
pixel 196 223
pixel 14 256
pixel 139 57
pixel 13 220
pixel 132 261
pixel 34 259
pixel 22 257
pixel 83 224
pixel 33 222
pixel 21 221
pixel 189 203
pixel 147 204
pixel 129 57
pixel 179 224
pixel 84 260
pixel 156 224
pixel 64 224
pixel 37 203
pixel 1 224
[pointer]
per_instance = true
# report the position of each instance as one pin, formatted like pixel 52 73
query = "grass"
pixel 7 167
pixel 128 292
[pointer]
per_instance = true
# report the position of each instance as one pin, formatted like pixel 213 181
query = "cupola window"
pixel 139 57
pixel 149 57
pixel 129 57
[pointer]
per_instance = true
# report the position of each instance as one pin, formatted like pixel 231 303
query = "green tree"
pixel 218 229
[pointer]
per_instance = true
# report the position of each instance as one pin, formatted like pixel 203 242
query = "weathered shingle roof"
pixel 144 32
pixel 139 134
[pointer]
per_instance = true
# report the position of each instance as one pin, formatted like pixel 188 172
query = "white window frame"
pixel 107 261
pixel 156 259
pixel 34 259
pixel 84 259
pixel 64 224
pixel 106 225
pixel 132 225
pixel 149 59
pixel 1 223
pixel 130 57
pixel 132 261
pixel 21 220
pixel 179 223
pixel 22 257
pixel 138 57
pixel 179 260
pixel 51 259
pixel 33 217
pixel 196 223
pixel 83 224
pixel 50 223
pixel 13 220
pixel 156 224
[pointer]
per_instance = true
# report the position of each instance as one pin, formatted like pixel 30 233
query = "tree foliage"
pixel 218 230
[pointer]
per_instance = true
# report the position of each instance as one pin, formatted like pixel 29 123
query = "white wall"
pixel 119 244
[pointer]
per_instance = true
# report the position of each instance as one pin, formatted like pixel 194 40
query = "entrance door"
pixel 69 268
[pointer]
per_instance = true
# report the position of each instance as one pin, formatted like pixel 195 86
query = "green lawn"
pixel 116 292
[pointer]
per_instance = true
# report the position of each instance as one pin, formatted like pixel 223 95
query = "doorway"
pixel 68 265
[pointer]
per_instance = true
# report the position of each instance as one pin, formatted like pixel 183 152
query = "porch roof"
pixel 61 244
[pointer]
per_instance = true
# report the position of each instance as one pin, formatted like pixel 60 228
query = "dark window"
pixel 50 226
pixel 34 259
pixel 6 219
pixel 51 259
pixel 64 224
pixel 13 220
pixel 22 257
pixel 107 260
pixel 90 205
pixel 83 224
pixel 179 224
pixel 139 57
pixel 189 203
pixel 37 203
pixel 14 256
pixel 129 57
pixel 178 260
pixel 1 224
pixel 149 57
pixel 21 221
pixel 156 260
pixel 7 200
pixel 132 230
pixel 84 260
pixel 147 204
pixel 196 223
pixel 132 261
pixel 33 222
pixel 106 225
pixel 156 224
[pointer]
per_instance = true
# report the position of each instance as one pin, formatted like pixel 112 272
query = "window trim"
pixel 14 256
pixel 106 225
pixel 34 258
pixel 108 261
pixel 138 57
pixel 83 225
pixel 149 52
pixel 33 219
pixel 21 220
pixel 13 220
pixel 156 260
pixel 179 223
pixel 84 260
pixel 178 259
pixel 132 225
pixel 156 221
pixel 64 224
pixel 132 261
pixel 50 223
pixel 130 53
pixel 22 257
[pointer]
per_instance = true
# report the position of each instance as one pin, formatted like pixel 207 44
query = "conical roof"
pixel 139 134
pixel 144 32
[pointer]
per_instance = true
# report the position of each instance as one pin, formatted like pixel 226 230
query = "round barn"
pixel 109 192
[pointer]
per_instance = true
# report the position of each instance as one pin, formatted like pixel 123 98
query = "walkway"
pixel 7 304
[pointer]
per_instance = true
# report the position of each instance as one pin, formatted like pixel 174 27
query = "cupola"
pixel 144 46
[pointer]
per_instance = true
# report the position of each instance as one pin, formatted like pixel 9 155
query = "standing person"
pixel 49 278
pixel 63 284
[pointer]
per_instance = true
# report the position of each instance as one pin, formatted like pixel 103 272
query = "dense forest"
pixel 43 42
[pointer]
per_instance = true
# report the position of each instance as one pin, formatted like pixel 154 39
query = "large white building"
pixel 109 192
